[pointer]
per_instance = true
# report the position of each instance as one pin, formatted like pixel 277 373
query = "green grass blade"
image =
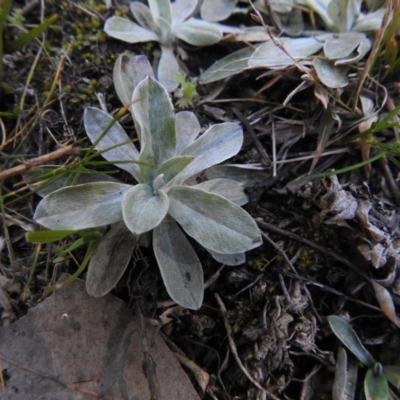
pixel 48 236
pixel 32 34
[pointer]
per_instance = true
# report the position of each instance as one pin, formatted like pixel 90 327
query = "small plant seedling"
pixel 164 201
pixel 188 92
pixel 377 377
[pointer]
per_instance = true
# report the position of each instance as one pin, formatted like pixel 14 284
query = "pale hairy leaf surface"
pixel 154 114
pixel 158 183
pixel 375 386
pixel 228 188
pixel 248 174
pixel 230 65
pixel 282 7
pixel 344 376
pixel 292 22
pixel 187 128
pixel 217 10
pixel 128 31
pixel 145 239
pixel 371 21
pixel 168 68
pixel 216 223
pixel 82 206
pixel 228 259
pixel 270 55
pixel 358 54
pixel 110 260
pixel 67 179
pixel 129 70
pixel 173 166
pixel 182 10
pixel 228 28
pixel 350 339
pixel 217 144
pixel 96 121
pixel 164 31
pixel 180 267
pixel 142 209
pixel 142 15
pixel 198 33
pixel 160 9
pixel 321 8
pixel 343 13
pixel 345 384
pixel 331 75
pixel 341 45
pixel 245 34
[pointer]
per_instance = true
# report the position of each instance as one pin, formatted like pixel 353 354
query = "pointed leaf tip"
pixel 348 336
pixel 128 71
pixel 217 144
pixel 128 31
pixel 198 33
pixel 155 116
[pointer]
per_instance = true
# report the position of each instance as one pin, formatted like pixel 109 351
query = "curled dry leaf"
pixel 386 303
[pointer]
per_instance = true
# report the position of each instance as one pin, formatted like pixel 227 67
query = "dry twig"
pixel 234 349
pixel 202 377
pixel 35 162
pixel 264 156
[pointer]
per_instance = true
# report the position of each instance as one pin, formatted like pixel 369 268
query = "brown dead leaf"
pixel 336 201
pixel 386 303
pixel 74 347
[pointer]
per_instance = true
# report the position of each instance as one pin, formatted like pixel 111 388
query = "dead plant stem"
pixel 390 9
pixel 264 156
pixel 234 349
pixel 47 158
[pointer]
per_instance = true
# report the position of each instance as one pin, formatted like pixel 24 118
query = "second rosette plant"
pixel 162 203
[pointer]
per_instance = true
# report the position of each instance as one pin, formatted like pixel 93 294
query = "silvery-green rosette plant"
pixel 346 42
pixel 162 203
pixel 164 22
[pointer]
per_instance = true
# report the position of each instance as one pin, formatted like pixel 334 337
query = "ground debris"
pixel 371 222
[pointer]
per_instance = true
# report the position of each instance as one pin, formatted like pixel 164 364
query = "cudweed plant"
pixel 164 22
pixel 162 204
pixel 377 377
pixel 345 42
pixel 217 10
